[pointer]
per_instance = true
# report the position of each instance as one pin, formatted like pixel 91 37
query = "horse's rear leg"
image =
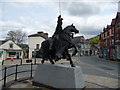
pixel 42 61
pixel 51 61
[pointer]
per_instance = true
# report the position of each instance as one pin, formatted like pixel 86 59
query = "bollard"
pixel 5 77
pixel 31 70
pixel 16 73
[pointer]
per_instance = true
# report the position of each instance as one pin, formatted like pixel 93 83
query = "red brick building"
pixel 117 35
pixel 110 39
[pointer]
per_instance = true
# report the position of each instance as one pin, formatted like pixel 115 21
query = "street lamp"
pixel 34 56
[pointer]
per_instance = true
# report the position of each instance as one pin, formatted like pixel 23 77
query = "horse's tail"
pixel 43 52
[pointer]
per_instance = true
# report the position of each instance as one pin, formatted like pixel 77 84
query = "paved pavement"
pixel 94 75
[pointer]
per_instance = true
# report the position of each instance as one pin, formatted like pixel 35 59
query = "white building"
pixel 82 45
pixel 10 50
pixel 84 48
pixel 35 41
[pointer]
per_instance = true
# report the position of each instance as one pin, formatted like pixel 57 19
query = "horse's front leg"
pixel 71 62
pixel 75 52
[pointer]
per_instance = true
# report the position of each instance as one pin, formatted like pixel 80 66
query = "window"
pixel 11 45
pixel 0 54
pixel 119 24
pixel 37 46
pixel 107 33
pixel 112 30
pixel 12 54
pixel 112 41
pixel 117 36
pixel 33 54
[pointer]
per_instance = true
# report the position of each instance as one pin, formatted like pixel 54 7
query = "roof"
pixel 113 22
pixel 108 26
pixel 79 39
pixel 3 41
pixel 118 15
pixel 104 29
pixel 39 34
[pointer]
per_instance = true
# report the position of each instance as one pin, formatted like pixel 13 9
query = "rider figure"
pixel 58 31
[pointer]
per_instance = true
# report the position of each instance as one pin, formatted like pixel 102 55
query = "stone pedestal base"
pixel 59 76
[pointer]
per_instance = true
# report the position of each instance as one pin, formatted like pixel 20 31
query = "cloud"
pixel 90 30
pixel 12 24
pixel 89 17
pixel 60 0
pixel 82 9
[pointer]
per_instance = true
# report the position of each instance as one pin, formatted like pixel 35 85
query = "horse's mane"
pixel 66 28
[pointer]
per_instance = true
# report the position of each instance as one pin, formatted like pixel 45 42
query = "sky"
pixel 31 16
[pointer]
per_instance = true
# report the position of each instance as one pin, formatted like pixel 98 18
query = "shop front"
pixel 14 54
pixel 1 55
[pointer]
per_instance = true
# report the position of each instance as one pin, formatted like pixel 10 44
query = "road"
pixel 97 66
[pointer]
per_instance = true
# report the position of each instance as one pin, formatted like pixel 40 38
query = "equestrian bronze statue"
pixel 57 47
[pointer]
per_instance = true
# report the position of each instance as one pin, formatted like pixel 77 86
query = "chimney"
pixel 119 6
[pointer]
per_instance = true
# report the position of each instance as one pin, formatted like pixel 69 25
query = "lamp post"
pixel 34 56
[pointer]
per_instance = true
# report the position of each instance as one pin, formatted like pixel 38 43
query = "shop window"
pixel 12 54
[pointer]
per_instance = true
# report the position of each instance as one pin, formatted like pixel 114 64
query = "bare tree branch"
pixel 17 36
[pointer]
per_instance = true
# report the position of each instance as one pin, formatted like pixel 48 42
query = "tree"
pixel 94 40
pixel 17 36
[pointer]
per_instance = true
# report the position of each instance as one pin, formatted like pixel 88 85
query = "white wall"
pixel 85 47
pixel 32 44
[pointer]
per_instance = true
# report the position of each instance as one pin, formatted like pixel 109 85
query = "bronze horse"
pixel 60 46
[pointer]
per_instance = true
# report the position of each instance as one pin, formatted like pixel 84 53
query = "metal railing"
pixel 15 72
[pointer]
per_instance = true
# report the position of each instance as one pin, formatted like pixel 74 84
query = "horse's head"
pixel 71 30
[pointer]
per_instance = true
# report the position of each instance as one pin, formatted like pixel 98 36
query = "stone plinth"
pixel 59 76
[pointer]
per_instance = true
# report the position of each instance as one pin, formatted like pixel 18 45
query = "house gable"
pixel 6 45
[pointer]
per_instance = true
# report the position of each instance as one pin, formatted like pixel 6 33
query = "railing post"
pixel 21 61
pixel 31 70
pixel 5 77
pixel 2 62
pixel 35 60
pixel 16 73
